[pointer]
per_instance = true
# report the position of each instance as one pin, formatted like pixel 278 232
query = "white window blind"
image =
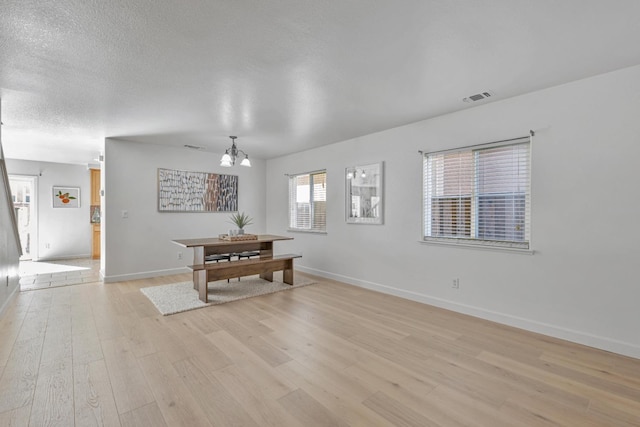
pixel 479 195
pixel 308 201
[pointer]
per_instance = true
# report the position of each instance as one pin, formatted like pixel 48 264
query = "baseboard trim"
pixel 579 337
pixel 143 275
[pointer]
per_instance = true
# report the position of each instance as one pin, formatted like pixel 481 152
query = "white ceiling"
pixel 283 75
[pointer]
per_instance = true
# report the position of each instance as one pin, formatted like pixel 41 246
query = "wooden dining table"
pixel 214 245
pixel 203 247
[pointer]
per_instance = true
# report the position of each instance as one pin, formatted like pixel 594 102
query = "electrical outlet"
pixel 179 255
pixel 47 246
pixel 456 283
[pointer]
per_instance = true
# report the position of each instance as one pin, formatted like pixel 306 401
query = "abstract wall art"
pixel 183 191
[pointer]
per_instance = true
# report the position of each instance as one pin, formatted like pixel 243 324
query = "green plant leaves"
pixel 241 219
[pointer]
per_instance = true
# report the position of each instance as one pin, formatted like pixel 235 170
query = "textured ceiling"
pixel 283 75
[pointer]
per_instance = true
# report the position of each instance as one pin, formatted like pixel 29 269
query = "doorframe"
pixel 33 203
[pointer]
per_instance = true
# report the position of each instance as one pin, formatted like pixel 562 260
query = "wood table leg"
pixel 267 252
pixel 200 284
pixel 198 259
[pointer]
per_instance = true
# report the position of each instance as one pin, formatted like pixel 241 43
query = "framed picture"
pixel 184 191
pixel 364 190
pixel 66 197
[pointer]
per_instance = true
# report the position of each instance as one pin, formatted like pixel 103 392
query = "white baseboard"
pixel 579 337
pixel 143 275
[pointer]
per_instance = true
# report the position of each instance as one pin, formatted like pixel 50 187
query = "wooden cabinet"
pixel 95 251
pixel 95 187
pixel 95 201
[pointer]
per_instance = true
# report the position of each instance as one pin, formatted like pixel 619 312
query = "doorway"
pixel 24 190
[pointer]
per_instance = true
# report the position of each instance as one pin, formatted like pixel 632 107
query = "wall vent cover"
pixel 193 147
pixel 478 97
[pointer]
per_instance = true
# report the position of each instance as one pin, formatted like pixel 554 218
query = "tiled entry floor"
pixel 50 274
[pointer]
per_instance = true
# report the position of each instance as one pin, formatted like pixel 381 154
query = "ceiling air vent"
pixel 478 97
pixel 193 147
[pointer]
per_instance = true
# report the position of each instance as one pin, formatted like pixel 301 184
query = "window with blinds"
pixel 308 201
pixel 479 195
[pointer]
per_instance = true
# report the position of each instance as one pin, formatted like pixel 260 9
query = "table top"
pixel 214 241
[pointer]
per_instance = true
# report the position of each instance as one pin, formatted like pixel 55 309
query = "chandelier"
pixel 229 157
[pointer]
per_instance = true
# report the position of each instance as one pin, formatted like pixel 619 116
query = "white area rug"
pixel 179 297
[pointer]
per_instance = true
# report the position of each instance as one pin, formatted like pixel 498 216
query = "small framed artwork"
pixel 66 197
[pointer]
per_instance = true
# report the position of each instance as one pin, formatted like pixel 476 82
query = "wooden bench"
pixel 205 273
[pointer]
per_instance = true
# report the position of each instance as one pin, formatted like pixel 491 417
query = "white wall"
pixel 66 231
pixel 140 246
pixel 582 282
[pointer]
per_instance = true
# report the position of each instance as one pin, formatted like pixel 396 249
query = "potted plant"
pixel 241 220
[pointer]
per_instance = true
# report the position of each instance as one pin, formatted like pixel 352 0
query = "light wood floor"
pixel 328 354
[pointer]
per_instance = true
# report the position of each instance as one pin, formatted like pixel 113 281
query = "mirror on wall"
pixel 364 194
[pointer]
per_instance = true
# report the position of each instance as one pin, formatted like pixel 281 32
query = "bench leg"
pixel 200 284
pixel 287 273
pixel 267 252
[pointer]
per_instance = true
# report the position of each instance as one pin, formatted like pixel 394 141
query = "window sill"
pixel 480 247
pixel 296 230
